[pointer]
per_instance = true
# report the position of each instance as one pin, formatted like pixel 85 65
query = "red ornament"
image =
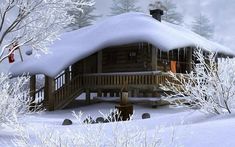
pixel 11 56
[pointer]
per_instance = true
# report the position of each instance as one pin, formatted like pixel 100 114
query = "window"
pixel 132 56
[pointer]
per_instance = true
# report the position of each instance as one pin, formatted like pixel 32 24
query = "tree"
pixel 14 100
pixel 203 27
pixel 82 18
pixel 209 87
pixel 170 11
pixel 124 6
pixel 34 23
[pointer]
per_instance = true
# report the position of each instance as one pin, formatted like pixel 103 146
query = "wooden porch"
pixel 62 90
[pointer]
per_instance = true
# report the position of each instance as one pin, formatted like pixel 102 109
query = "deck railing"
pixel 112 79
pixel 61 79
pixel 67 91
pixel 39 95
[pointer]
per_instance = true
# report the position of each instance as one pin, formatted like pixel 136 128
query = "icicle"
pixel 160 54
pixel 178 54
pixel 148 48
pixel 168 56
pixel 156 52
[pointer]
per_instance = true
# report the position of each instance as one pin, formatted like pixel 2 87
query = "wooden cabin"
pixel 141 66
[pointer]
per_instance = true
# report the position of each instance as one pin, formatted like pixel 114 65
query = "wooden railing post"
pixel 49 90
pixel 88 96
pixel 190 60
pixel 32 87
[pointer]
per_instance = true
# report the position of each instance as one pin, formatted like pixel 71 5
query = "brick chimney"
pixel 157 14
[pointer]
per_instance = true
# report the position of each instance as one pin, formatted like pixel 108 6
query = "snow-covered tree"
pixel 203 26
pixel 170 11
pixel 124 6
pixel 34 23
pixel 83 18
pixel 14 100
pixel 209 87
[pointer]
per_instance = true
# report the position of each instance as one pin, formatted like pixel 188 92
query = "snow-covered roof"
pixel 118 30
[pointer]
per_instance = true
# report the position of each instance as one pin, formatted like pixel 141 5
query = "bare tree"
pixel 34 23
pixel 124 6
pixel 203 26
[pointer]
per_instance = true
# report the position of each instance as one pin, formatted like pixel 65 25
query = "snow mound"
pixel 118 30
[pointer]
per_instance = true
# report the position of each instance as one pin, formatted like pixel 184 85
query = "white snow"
pixel 117 30
pixel 191 128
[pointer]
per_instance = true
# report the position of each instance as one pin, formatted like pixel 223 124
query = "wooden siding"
pixel 129 58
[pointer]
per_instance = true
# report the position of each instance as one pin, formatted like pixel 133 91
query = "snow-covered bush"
pixel 14 101
pixel 209 87
pixel 117 134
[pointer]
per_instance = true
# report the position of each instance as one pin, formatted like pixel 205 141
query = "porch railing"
pixel 120 79
pixel 65 92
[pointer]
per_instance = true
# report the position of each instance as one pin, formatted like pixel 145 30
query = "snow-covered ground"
pixel 190 128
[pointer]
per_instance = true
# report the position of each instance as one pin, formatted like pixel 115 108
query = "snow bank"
pixel 118 30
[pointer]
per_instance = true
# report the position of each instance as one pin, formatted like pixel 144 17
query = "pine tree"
pixel 203 27
pixel 124 6
pixel 170 11
pixel 83 18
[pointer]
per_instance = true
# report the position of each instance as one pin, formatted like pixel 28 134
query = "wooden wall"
pixel 133 58
pixel 128 58
pixel 180 56
pixel 87 65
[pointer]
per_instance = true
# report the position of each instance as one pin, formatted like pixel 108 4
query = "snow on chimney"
pixel 157 14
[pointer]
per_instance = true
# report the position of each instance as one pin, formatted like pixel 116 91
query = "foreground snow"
pixel 188 127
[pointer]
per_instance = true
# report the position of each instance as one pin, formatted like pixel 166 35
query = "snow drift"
pixel 118 30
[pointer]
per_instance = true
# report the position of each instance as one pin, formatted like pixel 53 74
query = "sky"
pixel 220 12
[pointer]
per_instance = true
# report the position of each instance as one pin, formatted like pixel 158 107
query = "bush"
pixel 209 87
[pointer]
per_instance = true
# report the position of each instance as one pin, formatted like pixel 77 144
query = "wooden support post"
pixel 88 97
pixel 111 94
pixel 99 61
pixel 157 50
pixel 154 58
pixel 32 87
pixel 135 93
pixel 49 90
pixel 190 58
pixel 105 94
pixel 145 94
pixel 99 93
pixel 117 94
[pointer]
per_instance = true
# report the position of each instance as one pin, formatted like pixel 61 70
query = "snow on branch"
pixel 14 100
pixel 209 87
pixel 35 23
